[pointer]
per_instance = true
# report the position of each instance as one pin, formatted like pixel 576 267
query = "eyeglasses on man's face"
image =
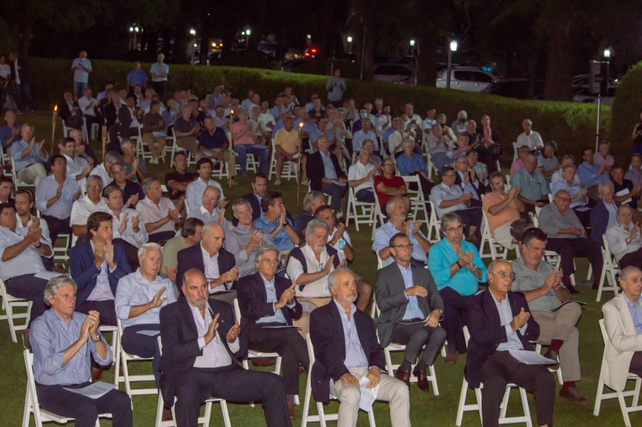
pixel 505 275
pixel 408 246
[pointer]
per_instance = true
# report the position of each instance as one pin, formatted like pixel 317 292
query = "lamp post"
pixel 349 44
pixel 452 48
pixel 247 39
pixel 192 32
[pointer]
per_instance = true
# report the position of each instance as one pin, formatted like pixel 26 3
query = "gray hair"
pixel 146 185
pixel 162 55
pixel 628 270
pixel 531 157
pixel 605 184
pixel 551 144
pixel 527 121
pixel 471 121
pixel 93 178
pixel 112 156
pixel 310 198
pixel 207 227
pixel 567 167
pixel 407 140
pixel 142 251
pixel 390 202
pixel 240 202
pixel 29 125
pixel 262 251
pixel 315 223
pixel 125 143
pixel 449 218
pixel 332 281
pixel 52 286
pixel 622 207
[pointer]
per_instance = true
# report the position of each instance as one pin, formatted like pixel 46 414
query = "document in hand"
pixel 528 357
pixel 368 395
pixel 149 333
pixel 94 390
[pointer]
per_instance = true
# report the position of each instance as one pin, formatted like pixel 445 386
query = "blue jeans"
pixel 26 88
pixel 242 151
pixel 79 88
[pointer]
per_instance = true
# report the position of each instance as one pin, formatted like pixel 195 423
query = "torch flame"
pixel 232 112
pixel 301 125
pixel 56 108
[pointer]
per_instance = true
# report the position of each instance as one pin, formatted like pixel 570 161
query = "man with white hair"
pixel 139 298
pixel 459 125
pixel 86 205
pixel 63 342
pixel 103 170
pixel 158 213
pixel 361 176
pixel 186 131
pixel 81 68
pixel 29 156
pixel 159 71
pixel 529 138
pixel 212 208
pixel 534 190
pixel 624 239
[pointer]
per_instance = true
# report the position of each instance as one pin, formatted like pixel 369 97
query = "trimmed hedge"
pixel 626 109
pixel 572 125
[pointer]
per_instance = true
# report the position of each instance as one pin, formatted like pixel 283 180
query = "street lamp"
pixel 412 42
pixel 453 48
pixel 309 36
pixel 192 31
pixel 607 53
pixel 247 39
pixel 349 44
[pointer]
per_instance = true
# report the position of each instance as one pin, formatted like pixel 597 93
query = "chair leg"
pixel 623 409
pixel 226 414
pixel 527 409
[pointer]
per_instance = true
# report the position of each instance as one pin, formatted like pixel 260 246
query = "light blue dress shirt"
pixel 572 190
pixel 195 189
pixel 533 186
pixel 412 309
pixel 32 157
pixel 636 314
pixel 47 190
pixel 50 337
pixel 270 290
pixel 330 173
pixel 355 356
pixel 282 239
pixel 382 240
pixel 442 256
pixel 157 70
pixel 587 174
pixel 134 290
pixel 28 261
pixel 406 165
pixel 505 317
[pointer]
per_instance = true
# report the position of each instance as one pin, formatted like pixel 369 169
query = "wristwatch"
pixel 98 337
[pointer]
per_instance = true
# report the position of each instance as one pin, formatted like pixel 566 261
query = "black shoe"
pixel 422 380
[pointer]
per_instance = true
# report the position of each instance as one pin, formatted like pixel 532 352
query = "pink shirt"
pixel 609 161
pixel 488 133
pixel 517 165
pixel 238 128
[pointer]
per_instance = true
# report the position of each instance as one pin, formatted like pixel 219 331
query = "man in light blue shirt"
pixel 159 71
pixel 534 189
pixel 29 156
pixel 365 133
pixel 139 299
pixel 274 221
pixel 195 189
pixel 59 334
pixel 591 174
pixel 336 86
pixel 138 77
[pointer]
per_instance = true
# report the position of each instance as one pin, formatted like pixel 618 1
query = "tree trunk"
pixel 559 68
pixel 426 59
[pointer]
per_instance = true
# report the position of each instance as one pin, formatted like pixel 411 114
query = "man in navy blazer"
pixel 499 321
pixel 268 301
pixel 97 266
pixel 218 265
pixel 202 347
pixel 347 351
pixel 324 171
pixel 600 214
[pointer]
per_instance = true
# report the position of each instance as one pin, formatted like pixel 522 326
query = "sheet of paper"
pixel 528 357
pixel 335 182
pixel 47 275
pixel 624 192
pixel 282 327
pixel 567 302
pixel 94 390
pixel 149 333
pixel 368 395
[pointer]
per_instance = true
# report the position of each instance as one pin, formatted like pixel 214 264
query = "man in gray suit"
pixel 410 308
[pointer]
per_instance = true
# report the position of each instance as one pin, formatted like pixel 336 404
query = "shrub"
pixel 572 125
pixel 626 109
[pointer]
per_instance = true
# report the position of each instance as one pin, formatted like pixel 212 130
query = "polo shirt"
pixel 213 140
pixel 527 279
pixel 174 175
pixel 533 186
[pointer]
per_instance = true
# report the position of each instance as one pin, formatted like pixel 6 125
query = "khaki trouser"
pixel 390 390
pixel 32 174
pixel 189 144
pixel 309 304
pixel 151 140
pixel 560 325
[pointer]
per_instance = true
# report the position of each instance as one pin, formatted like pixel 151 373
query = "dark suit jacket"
pixel 84 271
pixel 316 170
pixel 180 341
pixel 125 118
pixel 111 114
pixel 63 110
pixel 252 298
pixel 326 333
pixel 25 78
pixel 392 301
pixel 192 257
pixel 486 332
pixel 599 221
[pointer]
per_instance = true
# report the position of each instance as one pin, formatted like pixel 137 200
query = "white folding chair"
pixel 289 168
pixel 140 145
pixel 32 405
pixel 609 270
pixel 253 354
pixel 429 164
pixel 417 200
pixel 378 217
pixel 558 372
pixel 434 224
pixel 124 359
pixel 503 419
pixel 176 149
pixel 493 247
pixel 515 154
pixel 204 420
pixel 620 395
pixel 9 304
pixel 66 131
pixel 362 212
pixel 322 417
pixel 115 343
pixel 220 169
pixel 396 348
pixel 60 252
pixel 17 182
pixel 507 185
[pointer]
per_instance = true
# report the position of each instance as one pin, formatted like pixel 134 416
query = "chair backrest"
pixel 515 155
pixel 608 256
pixel 237 310
pixel 466 335
pixel 32 395
pixel 605 336
pixel 308 341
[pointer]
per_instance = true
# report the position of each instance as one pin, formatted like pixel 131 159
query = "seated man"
pixel 502 210
pixel 25 222
pixel 189 236
pixel 128 231
pixel 213 141
pixel 139 299
pixel 603 157
pixel 202 348
pixel 286 144
pixel 29 156
pixel 244 240
pixel 308 267
pixel 340 240
pixel 212 259
pixel 97 266
pixel 245 143
pixel 154 132
pixel 397 212
pixel 103 170
pixel 77 167
pixel 86 205
pixel 20 261
pixel 69 111
pixel 186 131
pixel 547 163
pixel 311 202
pixel 132 191
pixel 457 270
pixel 6 189
pixel 55 197
pixel 467 179
pixel 529 138
pixel 567 159
pixel 448 197
pixel 129 117
pixel 518 164
pixel 580 202
pixel 158 213
pixel 61 331
pixel 346 351
pixel 591 173
pixel 388 185
pixel 603 214
pixel 212 208
pixel 405 296
pixel 534 190
pixel 440 148
pixel 362 134
pixel 177 181
pixel 541 284
pixel 500 321
pixel 567 237
pixel 623 325
pixel 275 221
pixel 259 190
pixel 624 239
pixel 195 189
pixel 626 192
pixel 410 163
pixel 634 174
pixel 325 173
pixel 135 166
pixel 268 300
pixel 361 177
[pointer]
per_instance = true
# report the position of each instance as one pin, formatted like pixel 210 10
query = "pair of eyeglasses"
pixel 453 229
pixel 408 246
pixel 504 275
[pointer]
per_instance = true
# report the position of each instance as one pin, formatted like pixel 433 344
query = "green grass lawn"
pixel 426 409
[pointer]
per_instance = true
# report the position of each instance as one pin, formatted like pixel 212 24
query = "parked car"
pixel 581 90
pixel 216 49
pixel 468 79
pixel 515 88
pixel 389 73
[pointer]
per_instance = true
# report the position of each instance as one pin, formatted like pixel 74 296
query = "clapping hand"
pixel 123 224
pixel 233 333
pixel 520 320
pixel 173 214
pixel 256 237
pixel 211 330
pixel 157 301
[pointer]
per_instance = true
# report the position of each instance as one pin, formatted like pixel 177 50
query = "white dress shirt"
pixel 151 212
pixel 45 239
pixel 102 291
pixel 358 171
pixel 84 207
pixel 128 235
pixel 215 354
pixel 318 288
pixel 102 173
